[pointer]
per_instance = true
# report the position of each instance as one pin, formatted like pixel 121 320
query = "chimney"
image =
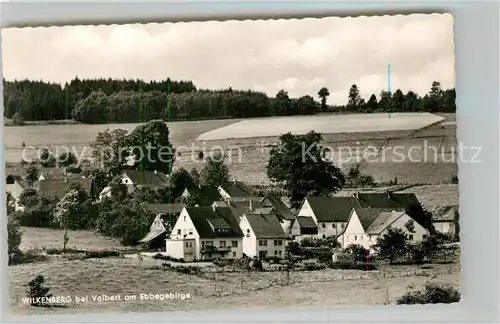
pixel 251 204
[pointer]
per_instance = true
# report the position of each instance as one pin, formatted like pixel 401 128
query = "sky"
pixel 297 55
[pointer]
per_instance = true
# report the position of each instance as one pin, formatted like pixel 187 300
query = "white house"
pixel 329 213
pixel 263 236
pixel 133 179
pixel 365 225
pixel 443 218
pixel 205 233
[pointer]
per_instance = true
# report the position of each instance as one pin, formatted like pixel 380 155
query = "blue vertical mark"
pixel 389 85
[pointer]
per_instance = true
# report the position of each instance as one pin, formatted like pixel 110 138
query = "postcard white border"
pixel 477 86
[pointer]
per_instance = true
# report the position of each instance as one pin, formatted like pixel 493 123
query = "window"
pixel 262 242
pixel 248 231
pixel 184 218
pixel 234 244
pixel 178 232
pixel 275 252
pixel 355 237
pixel 323 225
pixel 187 244
pixel 234 254
pixel 324 236
pixel 410 237
pixel 190 231
pixel 222 244
pixel 343 225
pixel 278 242
pixel 333 225
pixel 279 252
pixel 361 237
pixel 202 244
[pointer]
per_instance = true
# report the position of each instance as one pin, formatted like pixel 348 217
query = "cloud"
pixel 300 56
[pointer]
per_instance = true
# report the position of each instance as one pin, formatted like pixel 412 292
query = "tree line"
pixel 96 101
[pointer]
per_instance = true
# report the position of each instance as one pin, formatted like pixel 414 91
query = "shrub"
pixel 307 242
pixel 431 294
pixel 14 236
pixel 37 290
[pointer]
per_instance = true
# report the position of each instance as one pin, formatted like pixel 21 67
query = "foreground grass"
pixel 36 238
pixel 81 278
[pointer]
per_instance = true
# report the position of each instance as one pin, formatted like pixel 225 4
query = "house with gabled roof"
pixel 234 190
pixel 303 227
pixel 284 213
pixel 133 179
pixel 329 213
pixel 165 217
pixel 16 189
pixel 365 225
pixel 444 219
pixel 205 233
pixel 263 235
pixel 206 195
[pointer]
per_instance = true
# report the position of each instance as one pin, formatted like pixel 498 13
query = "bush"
pixel 37 290
pixel 431 294
pixel 14 236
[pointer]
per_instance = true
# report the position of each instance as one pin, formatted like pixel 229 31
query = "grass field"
pixel 318 288
pixel 36 238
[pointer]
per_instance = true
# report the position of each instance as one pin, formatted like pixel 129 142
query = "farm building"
pixel 444 218
pixel 165 217
pixel 303 227
pixel 58 188
pixel 329 213
pixel 365 225
pixel 205 233
pixel 263 235
pixel 284 213
pixel 133 179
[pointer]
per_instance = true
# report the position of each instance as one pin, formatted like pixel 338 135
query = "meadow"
pixel 222 291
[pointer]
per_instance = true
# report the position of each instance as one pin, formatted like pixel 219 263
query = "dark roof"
pixel 279 206
pixel 266 226
pixel 408 201
pixel 53 173
pixel 444 213
pixel 307 225
pixel 58 188
pixel 209 194
pixel 240 207
pixel 332 209
pixel 204 218
pixel 375 220
pixel 165 208
pixel 387 200
pixel 147 178
pixel 237 189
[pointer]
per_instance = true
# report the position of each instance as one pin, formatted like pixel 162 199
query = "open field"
pixel 35 238
pixel 318 288
pixel 322 124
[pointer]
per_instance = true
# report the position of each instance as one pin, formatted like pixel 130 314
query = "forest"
pixel 100 101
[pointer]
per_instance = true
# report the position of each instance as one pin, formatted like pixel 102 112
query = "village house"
pixel 234 190
pixel 303 227
pixel 444 218
pixel 133 179
pixel 58 188
pixel 329 213
pixel 263 235
pixel 205 194
pixel 284 213
pixel 165 218
pixel 205 233
pixel 365 225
